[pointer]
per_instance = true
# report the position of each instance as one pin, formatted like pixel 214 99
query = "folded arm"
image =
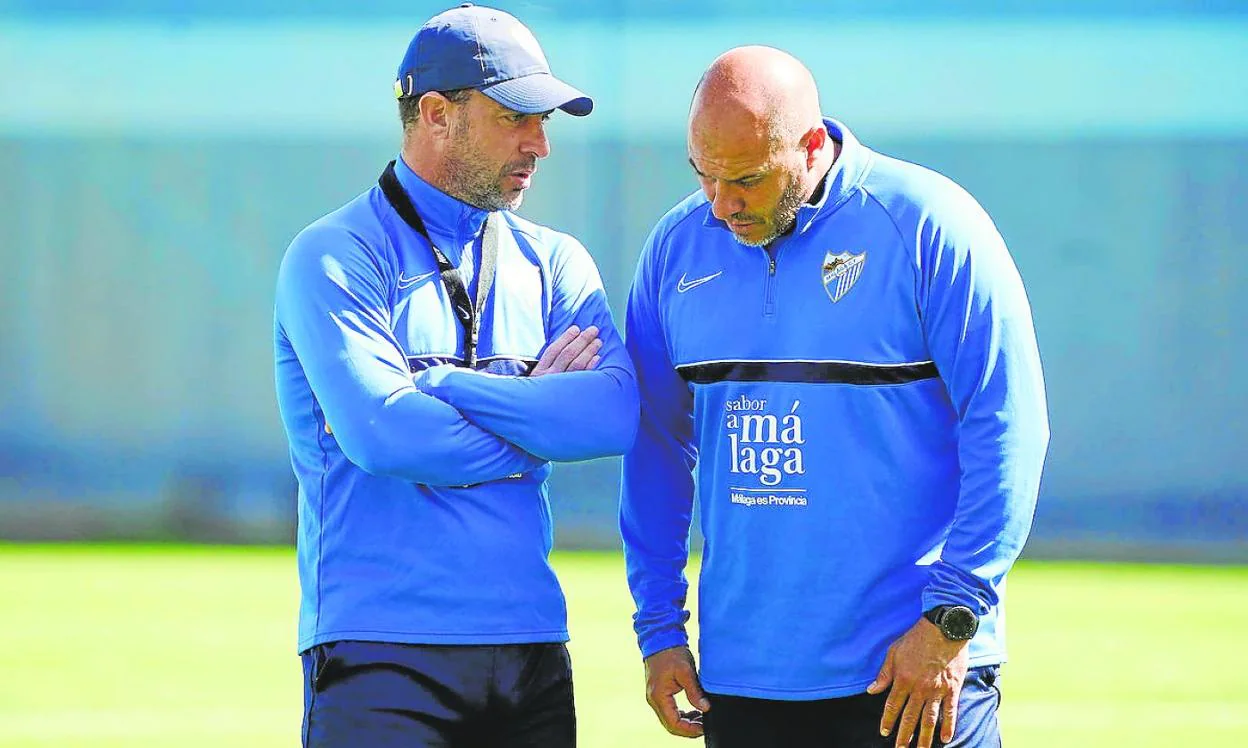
pixel 575 415
pixel 332 306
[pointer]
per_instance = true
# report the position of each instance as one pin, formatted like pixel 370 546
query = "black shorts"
pixel 425 696
pixel 848 722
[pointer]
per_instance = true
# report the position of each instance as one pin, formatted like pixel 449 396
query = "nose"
pixel 536 143
pixel 725 201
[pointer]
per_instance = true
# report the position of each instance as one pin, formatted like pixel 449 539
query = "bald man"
pixel 837 346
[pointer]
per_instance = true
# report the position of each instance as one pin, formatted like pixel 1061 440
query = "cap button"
pixel 465 5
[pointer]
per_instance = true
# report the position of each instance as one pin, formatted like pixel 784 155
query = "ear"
pixel 813 142
pixel 435 112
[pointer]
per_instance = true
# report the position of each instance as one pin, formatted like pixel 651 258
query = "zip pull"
pixel 769 289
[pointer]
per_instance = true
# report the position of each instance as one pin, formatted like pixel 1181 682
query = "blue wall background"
pixel 154 163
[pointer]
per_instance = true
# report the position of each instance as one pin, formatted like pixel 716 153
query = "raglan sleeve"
pixel 979 328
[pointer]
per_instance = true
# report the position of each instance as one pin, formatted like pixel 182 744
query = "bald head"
pixel 756 92
pixel 757 141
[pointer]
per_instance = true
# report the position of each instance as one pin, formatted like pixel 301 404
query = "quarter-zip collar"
pixel 452 223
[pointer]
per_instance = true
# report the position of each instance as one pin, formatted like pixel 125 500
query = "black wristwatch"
pixel 957 622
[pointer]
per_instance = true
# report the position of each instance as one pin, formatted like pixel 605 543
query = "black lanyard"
pixel 467 310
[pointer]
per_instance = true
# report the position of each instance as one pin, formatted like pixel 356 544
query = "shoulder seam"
pixel 533 234
pixel 671 229
pixel 532 229
pixel 893 221
pixel 687 216
pixel 901 237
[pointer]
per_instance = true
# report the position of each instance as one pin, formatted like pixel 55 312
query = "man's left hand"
pixel 574 350
pixel 926 671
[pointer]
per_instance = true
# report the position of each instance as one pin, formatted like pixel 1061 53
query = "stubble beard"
pixel 782 218
pixel 471 178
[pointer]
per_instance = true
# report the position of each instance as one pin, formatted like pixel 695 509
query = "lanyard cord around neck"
pixel 468 311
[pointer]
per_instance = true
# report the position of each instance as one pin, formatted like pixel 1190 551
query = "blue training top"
pixel 423 517
pixel 864 405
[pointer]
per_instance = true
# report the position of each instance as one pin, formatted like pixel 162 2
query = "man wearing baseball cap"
pixel 435 353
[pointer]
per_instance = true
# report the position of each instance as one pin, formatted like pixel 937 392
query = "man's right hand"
pixel 574 350
pixel 668 672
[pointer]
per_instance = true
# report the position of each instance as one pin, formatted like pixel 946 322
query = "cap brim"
pixel 539 92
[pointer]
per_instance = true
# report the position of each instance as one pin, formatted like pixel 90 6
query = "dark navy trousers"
pixel 380 695
pixel 848 722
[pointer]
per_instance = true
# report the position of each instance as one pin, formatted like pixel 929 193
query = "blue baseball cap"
pixel 489 50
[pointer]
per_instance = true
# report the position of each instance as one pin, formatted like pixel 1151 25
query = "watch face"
pixel 959 623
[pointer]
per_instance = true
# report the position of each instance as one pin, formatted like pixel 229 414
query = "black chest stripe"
pixel 815 372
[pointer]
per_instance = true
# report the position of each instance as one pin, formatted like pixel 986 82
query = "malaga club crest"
pixel 840 273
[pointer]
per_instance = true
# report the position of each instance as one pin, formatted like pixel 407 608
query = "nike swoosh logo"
pixel 688 285
pixel 407 282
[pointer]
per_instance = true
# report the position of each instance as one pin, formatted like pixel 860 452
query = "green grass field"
pixel 122 646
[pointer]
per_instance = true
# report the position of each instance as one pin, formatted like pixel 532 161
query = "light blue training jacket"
pixel 860 412
pixel 423 517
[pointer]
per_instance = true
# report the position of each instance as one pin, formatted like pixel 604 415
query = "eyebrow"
pixel 747 175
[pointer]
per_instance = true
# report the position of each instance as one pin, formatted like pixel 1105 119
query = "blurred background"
pixel 157 157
